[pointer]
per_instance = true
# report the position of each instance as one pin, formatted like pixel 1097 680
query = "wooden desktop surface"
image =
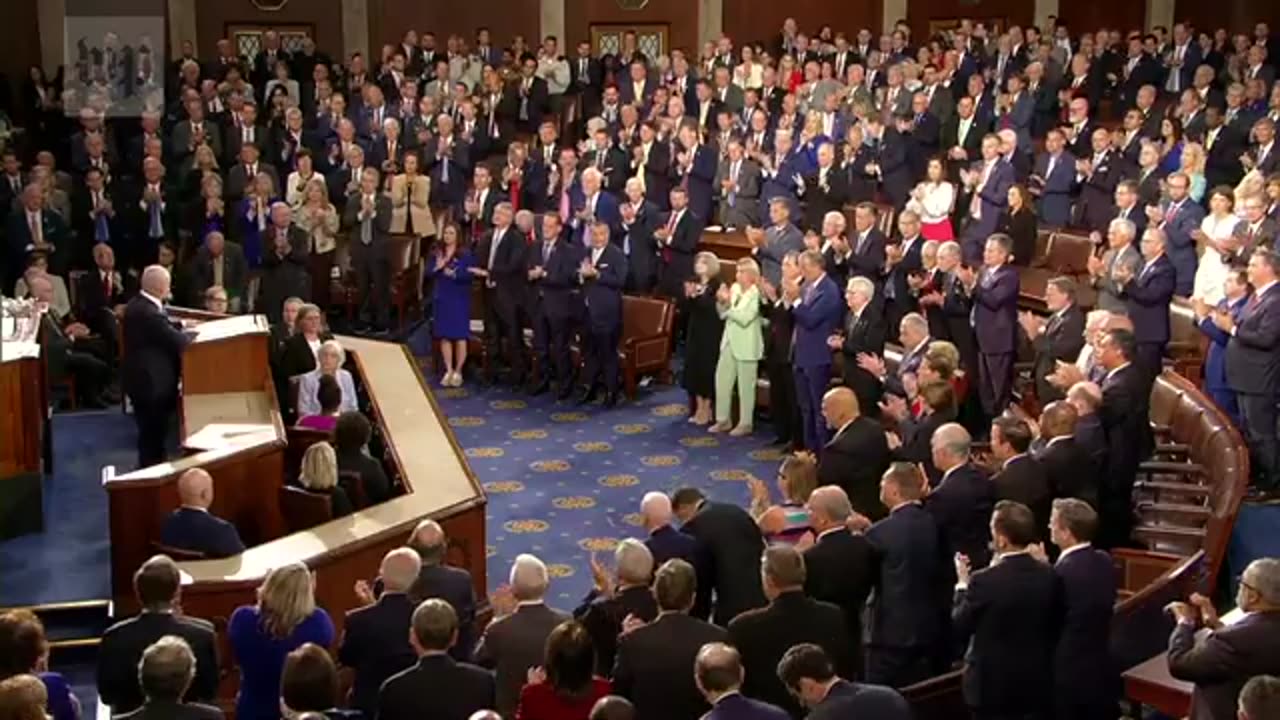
pixel 727 245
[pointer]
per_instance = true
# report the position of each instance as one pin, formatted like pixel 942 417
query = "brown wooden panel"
pixel 205 365
pixel 681 16
pixel 390 19
pixel 22 403
pixel 751 21
pixel 920 13
pixel 1082 15
pixel 213 17
pixel 21 47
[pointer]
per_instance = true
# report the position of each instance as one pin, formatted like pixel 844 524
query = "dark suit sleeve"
pixel 1000 294
pixel 1264 334
pixel 1157 291
pixel 205 686
pixel 969 605
pixel 1208 661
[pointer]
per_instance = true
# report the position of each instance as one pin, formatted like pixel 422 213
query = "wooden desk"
pixel 439 485
pixel 729 245
pixel 1151 684
pixel 24 403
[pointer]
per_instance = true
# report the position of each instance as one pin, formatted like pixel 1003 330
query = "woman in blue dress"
pixel 284 618
pixel 449 270
pixel 255 216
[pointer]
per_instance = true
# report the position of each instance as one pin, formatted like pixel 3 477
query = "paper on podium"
pixel 215 420
pixel 230 327
pixel 221 435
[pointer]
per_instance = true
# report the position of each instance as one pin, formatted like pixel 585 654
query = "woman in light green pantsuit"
pixel 741 347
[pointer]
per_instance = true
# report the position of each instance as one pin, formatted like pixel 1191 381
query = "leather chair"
pixel 646 340
pixel 303 510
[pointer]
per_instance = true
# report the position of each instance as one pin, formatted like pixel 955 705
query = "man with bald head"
pixel 192 527
pixel 438 579
pixel 664 541
pixel 375 643
pixel 1066 464
pixel 152 360
pixel 840 566
pixel 857 454
pixel 961 503
pixel 719 674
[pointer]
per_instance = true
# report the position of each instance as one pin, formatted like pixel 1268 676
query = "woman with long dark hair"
pixel 565 687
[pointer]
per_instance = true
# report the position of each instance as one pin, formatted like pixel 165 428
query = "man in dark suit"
pixel 864 251
pixel 677 238
pixel 1220 661
pixel 93 214
pixel 808 674
pixel 765 634
pixel 1179 217
pixel 437 685
pixel 638 218
pixel 1147 295
pixel 664 541
pixel 653 661
pixel 694 167
pixel 1222 150
pixel 155 584
pixel 988 185
pixel 719 671
pixel 903 259
pixel 1126 393
pixel 1068 467
pixel 102 295
pixel 1098 174
pixel 994 293
pixel 615 599
pixel 784 414
pixel 1253 366
pixel 857 455
pixel 192 527
pixel 532 96
pixel 31 226
pixel 218 262
pixel 840 565
pixel 1019 476
pixel 1058 338
pixel 596 206
pixel 374 642
pixel 906 624
pixel 165 671
pixel 894 159
pixel 961 139
pixel 728 555
pixel 436 579
pixel 150 372
pixel 824 189
pixel 553 265
pixel 1083 682
pixel 1053 179
pixel 602 274
pixel 242 175
pixel 515 640
pixel 816 308
pixel 501 257
pixel 1009 615
pixel 862 335
pixel 961 503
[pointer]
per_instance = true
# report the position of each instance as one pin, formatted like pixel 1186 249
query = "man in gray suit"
pixel 781 237
pixel 855 92
pixel 368 215
pixel 515 639
pixel 1121 254
pixel 738 180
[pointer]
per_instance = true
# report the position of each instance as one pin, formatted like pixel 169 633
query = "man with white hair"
pixel 375 643
pixel 664 541
pixel 863 334
pixel 614 598
pixel 517 636
pixel 597 205
pixel 960 504
pixel 368 214
pixel 152 358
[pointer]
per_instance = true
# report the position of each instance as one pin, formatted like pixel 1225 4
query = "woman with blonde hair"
pixel 211 208
pixel 1192 164
pixel 319 474
pixel 702 335
pixel 788 521
pixel 23 697
pixel 410 197
pixel 741 348
pixel 255 216
pixel 319 219
pixel 262 635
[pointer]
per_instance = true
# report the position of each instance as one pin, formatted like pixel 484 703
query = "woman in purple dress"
pixel 451 303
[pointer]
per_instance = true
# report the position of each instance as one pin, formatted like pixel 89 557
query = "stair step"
pixel 1174 487
pixel 1199 511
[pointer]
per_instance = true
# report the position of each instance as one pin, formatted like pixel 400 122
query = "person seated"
pixel 156 586
pixel 309 685
pixel 320 475
pixel 351 439
pixel 24 650
pixel 38 264
pixel 166 670
pixel 330 397
pixel 64 359
pixel 23 697
pixel 215 300
pixel 787 522
pixel 330 359
pixel 192 527
pixel 565 687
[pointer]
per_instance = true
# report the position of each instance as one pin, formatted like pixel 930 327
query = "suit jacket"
pixel 667 543
pixel 778 241
pixel 173 711
pixel 1061 340
pixel 153 354
pixel 1220 662
pixel 454 586
pixel 235 271
pixel 603 616
pixel 741 208
pixel 840 568
pixel 412 201
pixel 122 648
pixel 376 645
pixel 864 333
pixel 652 667
pixel 1147 298
pixel 993 198
pixel 1126 394
pixel 239 180
pixel 909 552
pixel 728 561
pixel 858 700
pixel 1253 353
pixel 1097 191
pixel 854 460
pixel 1108 290
pixel 202 532
pixel 555 294
pixel 1023 479
pixel 91 296
pixel 737 706
pixel 1181 247
pixel 1088 581
pixel 961 505
pixel 995 304
pixel 602 294
pixel 511 645
pixel 822 198
pixel 971 143
pixel 1062 460
pixel 763 635
pixel 816 318
pixel 438 687
pixel 1009 614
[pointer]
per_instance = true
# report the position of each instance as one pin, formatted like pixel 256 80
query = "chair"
pixel 177 553
pixel 353 484
pixel 646 340
pixel 303 509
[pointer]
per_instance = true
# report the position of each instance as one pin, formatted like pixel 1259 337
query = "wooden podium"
pixel 230 424
pixel 24 402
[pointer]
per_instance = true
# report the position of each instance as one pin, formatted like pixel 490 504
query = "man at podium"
pixel 152 364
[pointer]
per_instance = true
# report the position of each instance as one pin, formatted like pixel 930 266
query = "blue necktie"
pixel 157 227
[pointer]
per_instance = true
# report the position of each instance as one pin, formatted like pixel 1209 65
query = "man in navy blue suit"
pixel 1052 179
pixel 438 579
pixel 374 642
pixel 1236 289
pixel 817 307
pixel 961 503
pixel 1084 684
pixel 994 292
pixel 1147 295
pixel 808 673
pixel 695 169
pixel 151 368
pixel 553 277
pixel 988 184
pixel 602 273
pixel 1179 216
pixel 1253 366
pixel 192 527
pixel 597 207
pixel 665 542
pixel 718 672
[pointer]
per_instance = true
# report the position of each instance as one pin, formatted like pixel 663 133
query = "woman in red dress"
pixel 564 688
